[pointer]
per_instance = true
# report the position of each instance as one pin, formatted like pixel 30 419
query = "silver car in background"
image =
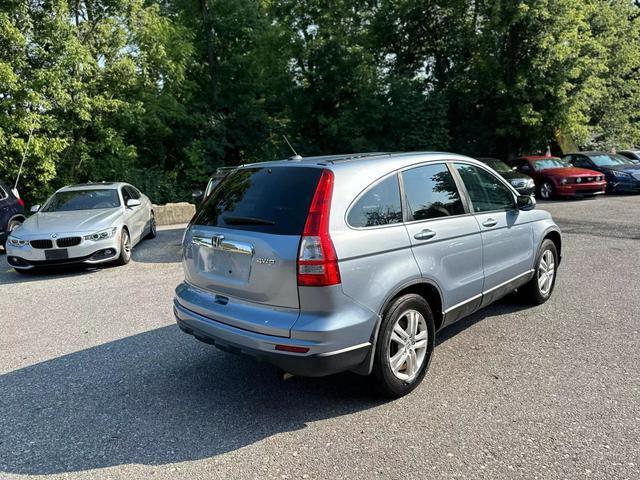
pixel 327 264
pixel 89 223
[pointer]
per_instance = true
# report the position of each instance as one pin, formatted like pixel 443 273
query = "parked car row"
pixel 579 174
pixel 89 224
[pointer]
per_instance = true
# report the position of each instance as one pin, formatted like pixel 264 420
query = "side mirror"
pixel 133 202
pixel 35 208
pixel 197 194
pixel 526 202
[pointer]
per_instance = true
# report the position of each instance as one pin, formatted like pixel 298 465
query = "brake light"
pixel 21 202
pixel 317 260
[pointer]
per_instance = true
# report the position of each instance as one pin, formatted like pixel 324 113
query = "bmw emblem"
pixel 55 235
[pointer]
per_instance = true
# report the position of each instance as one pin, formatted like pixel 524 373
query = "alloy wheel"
pixel 546 190
pixel 408 345
pixel 546 272
pixel 126 243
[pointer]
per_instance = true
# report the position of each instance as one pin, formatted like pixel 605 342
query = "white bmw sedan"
pixel 89 223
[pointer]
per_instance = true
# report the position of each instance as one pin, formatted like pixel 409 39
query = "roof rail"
pixel 355 156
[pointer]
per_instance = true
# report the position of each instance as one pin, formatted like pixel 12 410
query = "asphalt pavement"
pixel 96 381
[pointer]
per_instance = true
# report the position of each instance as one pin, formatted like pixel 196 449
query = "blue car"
pixel 621 174
pixel 11 212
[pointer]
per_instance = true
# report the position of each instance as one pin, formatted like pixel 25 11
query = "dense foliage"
pixel 162 93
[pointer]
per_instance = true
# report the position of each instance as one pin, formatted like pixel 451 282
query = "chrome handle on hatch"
pixel 218 242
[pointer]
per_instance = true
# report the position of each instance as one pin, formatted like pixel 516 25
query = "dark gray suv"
pixel 327 264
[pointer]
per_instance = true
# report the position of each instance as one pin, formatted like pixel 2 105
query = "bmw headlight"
pixel 102 234
pixel 617 174
pixel 17 242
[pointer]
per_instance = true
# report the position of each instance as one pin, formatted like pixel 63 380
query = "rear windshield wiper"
pixel 231 220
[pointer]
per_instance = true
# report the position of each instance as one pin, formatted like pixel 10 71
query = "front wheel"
pixel 540 287
pixel 125 248
pixel 405 346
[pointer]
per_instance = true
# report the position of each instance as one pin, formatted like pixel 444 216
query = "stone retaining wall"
pixel 174 213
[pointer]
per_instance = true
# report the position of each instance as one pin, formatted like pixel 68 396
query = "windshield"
pixel 551 162
pixel 606 160
pixel 82 200
pixel 499 166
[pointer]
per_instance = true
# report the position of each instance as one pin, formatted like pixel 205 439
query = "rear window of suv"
pixel 262 199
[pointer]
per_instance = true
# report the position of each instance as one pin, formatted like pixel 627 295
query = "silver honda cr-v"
pixel 354 262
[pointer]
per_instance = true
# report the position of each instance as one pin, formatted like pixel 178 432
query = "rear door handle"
pixel 425 234
pixel 489 222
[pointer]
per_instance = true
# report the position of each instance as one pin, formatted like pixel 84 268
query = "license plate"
pixel 56 254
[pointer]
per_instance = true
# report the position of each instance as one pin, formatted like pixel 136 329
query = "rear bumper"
pixel 262 347
pixel 582 189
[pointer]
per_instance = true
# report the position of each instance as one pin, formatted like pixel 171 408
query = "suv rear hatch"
pixel 241 248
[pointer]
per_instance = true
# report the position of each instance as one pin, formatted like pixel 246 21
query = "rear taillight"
pixel 317 260
pixel 21 202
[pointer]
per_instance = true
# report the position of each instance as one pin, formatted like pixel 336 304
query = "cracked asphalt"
pixel 96 381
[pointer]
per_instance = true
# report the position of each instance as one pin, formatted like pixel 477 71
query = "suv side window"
pixel 380 205
pixel 431 192
pixel 486 192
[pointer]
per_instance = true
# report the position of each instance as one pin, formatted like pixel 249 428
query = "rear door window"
pixel 380 205
pixel 262 199
pixel 431 193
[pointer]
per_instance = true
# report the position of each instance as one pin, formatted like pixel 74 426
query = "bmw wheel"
pixel 405 346
pixel 125 248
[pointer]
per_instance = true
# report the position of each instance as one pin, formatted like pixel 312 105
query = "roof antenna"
pixel 295 154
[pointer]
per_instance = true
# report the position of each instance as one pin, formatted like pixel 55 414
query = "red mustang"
pixel 554 176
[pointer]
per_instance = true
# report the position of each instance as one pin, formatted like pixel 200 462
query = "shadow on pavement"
pixel 165 248
pixel 155 398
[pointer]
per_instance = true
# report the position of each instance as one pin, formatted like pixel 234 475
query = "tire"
pixel 11 226
pixel 153 231
pixel 546 190
pixel 533 292
pixel 125 248
pixel 394 347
